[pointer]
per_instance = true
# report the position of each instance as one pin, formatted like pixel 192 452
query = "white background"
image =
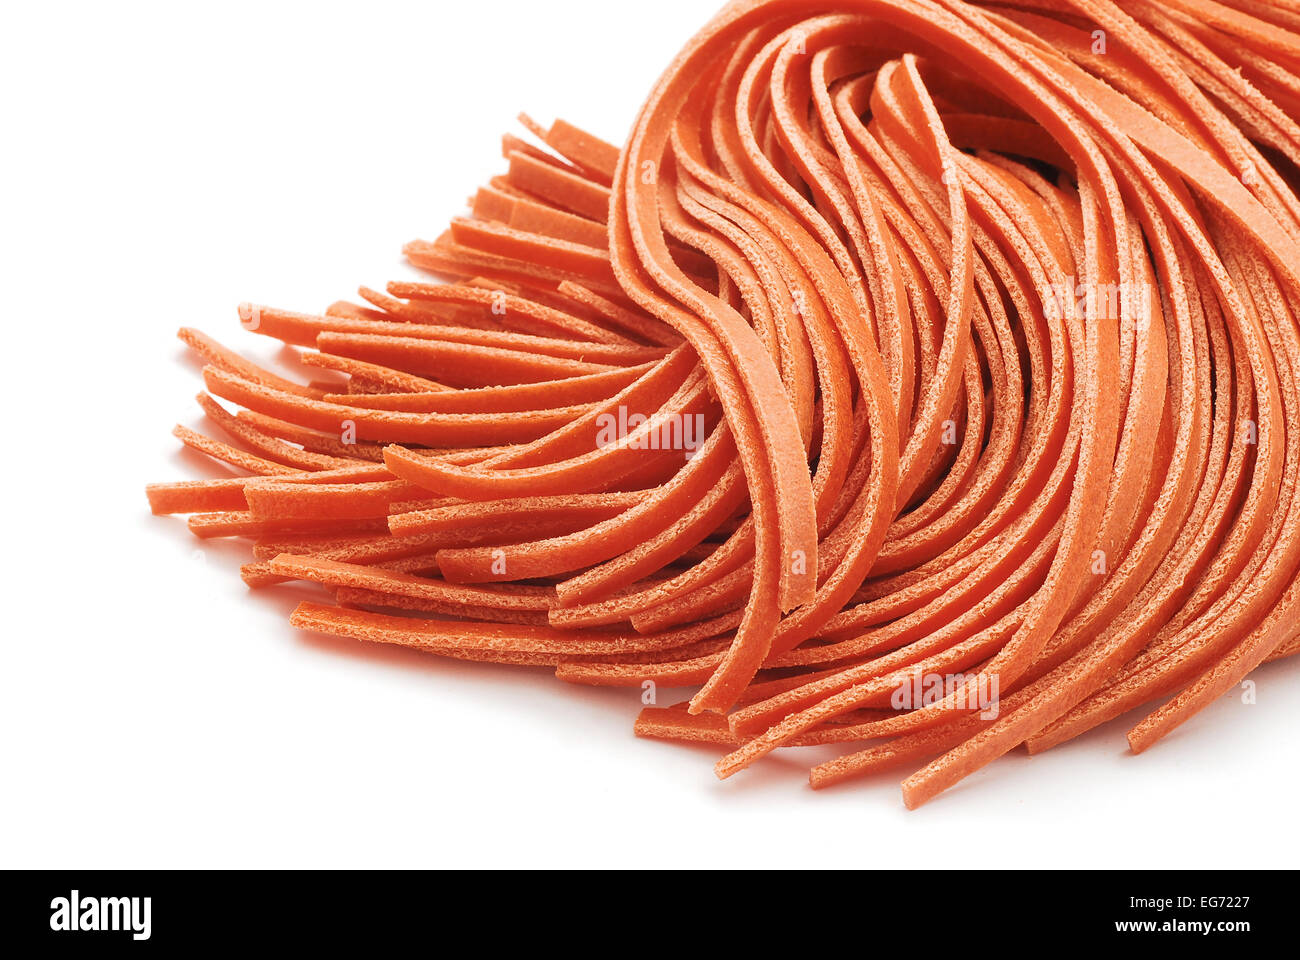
pixel 162 163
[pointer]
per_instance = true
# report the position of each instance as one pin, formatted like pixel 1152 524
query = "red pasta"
pixel 919 376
